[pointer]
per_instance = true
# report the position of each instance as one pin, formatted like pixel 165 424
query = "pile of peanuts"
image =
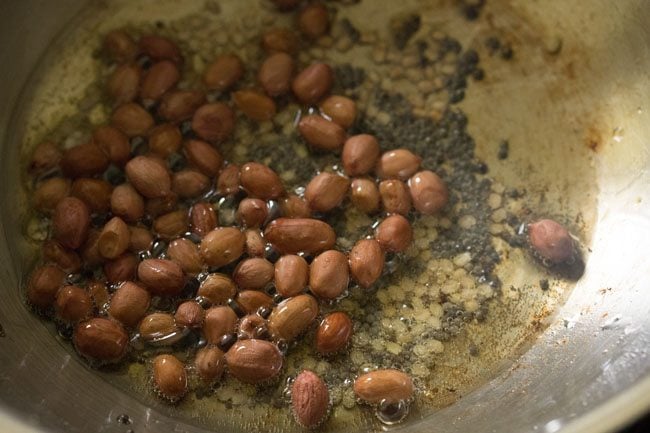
pixel 259 282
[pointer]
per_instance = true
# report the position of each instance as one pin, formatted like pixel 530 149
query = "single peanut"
pixel 255 244
pixel 189 314
pixel 254 274
pixel 551 241
pixel 43 285
pixel 161 77
pixel 388 386
pixel 213 122
pixel 127 203
pixel 395 196
pixel 222 246
pixel 171 225
pixel 114 143
pixel 114 238
pixel 148 177
pixel 397 164
pixel 132 119
pixel 189 183
pixel 203 156
pixel 342 110
pixel 228 181
pixel 203 218
pixel 313 20
pixel 430 194
pixel 84 160
pixel 250 301
pixel 293 206
pixel 161 277
pixel 313 83
pixel 260 181
pixel 96 193
pixel 291 275
pixel 169 377
pixel 45 156
pixel 70 222
pixel 217 289
pixel 157 326
pixel 179 105
pixel 254 361
pixel 252 326
pixel 99 294
pixel 209 363
pixel 155 207
pixel 326 191
pixel 165 139
pixel 160 48
pixel 101 339
pixel 294 235
pixel 252 212
pixel 224 72
pixel 291 317
pixel 218 322
pixel 129 304
pixel 334 333
pixel 394 234
pixel 310 400
pixel 49 193
pixel 329 274
pixel 72 304
pixel 367 261
pixel 364 195
pixel 321 133
pixel 276 73
pixel 120 47
pixel 63 257
pixel 123 84
pixel 140 239
pixel 280 40
pixel 186 254
pixel 122 268
pixel 360 154
pixel 254 105
pixel 90 250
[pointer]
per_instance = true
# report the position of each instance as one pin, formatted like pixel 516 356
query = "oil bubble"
pixel 391 413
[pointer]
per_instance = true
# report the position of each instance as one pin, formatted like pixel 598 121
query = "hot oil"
pixel 461 304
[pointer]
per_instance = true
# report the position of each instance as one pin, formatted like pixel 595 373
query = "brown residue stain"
pixel 593 139
pixel 569 70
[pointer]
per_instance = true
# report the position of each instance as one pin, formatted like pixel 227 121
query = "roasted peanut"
pixel 280 40
pixel 218 322
pixel 43 285
pixel 252 212
pixel 397 164
pixel 157 326
pixel 321 133
pixel 160 48
pixel 203 156
pixel 203 218
pixel 161 277
pixel 367 261
pixel 313 83
pixel 228 181
pixel 140 239
pixel 276 73
pixel 114 238
pixel 360 154
pixel 291 275
pixel 90 250
pixel 430 194
pixel 45 156
pixel 250 301
pixel 114 143
pixel 148 177
pixel 217 289
pixel 551 241
pixel 132 119
pixel 169 377
pixel 49 193
pixel 254 361
pixel 222 246
pixel 310 400
pixel 255 244
pixel 127 203
pixel 189 183
pixel 63 257
pixel 171 225
pixel 334 333
pixel 224 72
pixel 313 20
pixel 326 191
pixel 70 222
pixel 101 339
pixel 395 196
pixel 189 314
pixel 179 105
pixel 254 105
pixel 213 122
pixel 123 268
pixel 293 206
pixel 209 363
pixel 123 84
pixel 254 274
pixel 96 193
pixel 342 110
pixel 120 47
pixel 291 317
pixel 394 234
pixel 186 254
pixel 364 194
pixel 84 160
pixel 155 207
pixel 294 235
pixel 389 386
pixel 165 139
pixel 129 304
pixel 160 78
pixel 251 326
pixel 329 274
pixel 260 181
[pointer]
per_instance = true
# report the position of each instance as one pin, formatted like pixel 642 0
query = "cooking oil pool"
pixel 461 304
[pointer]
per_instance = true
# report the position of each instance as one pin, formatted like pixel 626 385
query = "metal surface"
pixel 588 372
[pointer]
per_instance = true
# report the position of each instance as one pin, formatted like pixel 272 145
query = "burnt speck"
pixel 478 74
pixel 506 52
pixel 144 62
pixel 404 27
pixel 350 30
pixel 504 150
pixel 186 129
pixel 124 419
pixel 472 9
pixel 543 284
pixel 493 44
pixel 176 162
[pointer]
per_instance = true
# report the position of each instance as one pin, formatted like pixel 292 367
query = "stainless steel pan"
pixel 579 123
